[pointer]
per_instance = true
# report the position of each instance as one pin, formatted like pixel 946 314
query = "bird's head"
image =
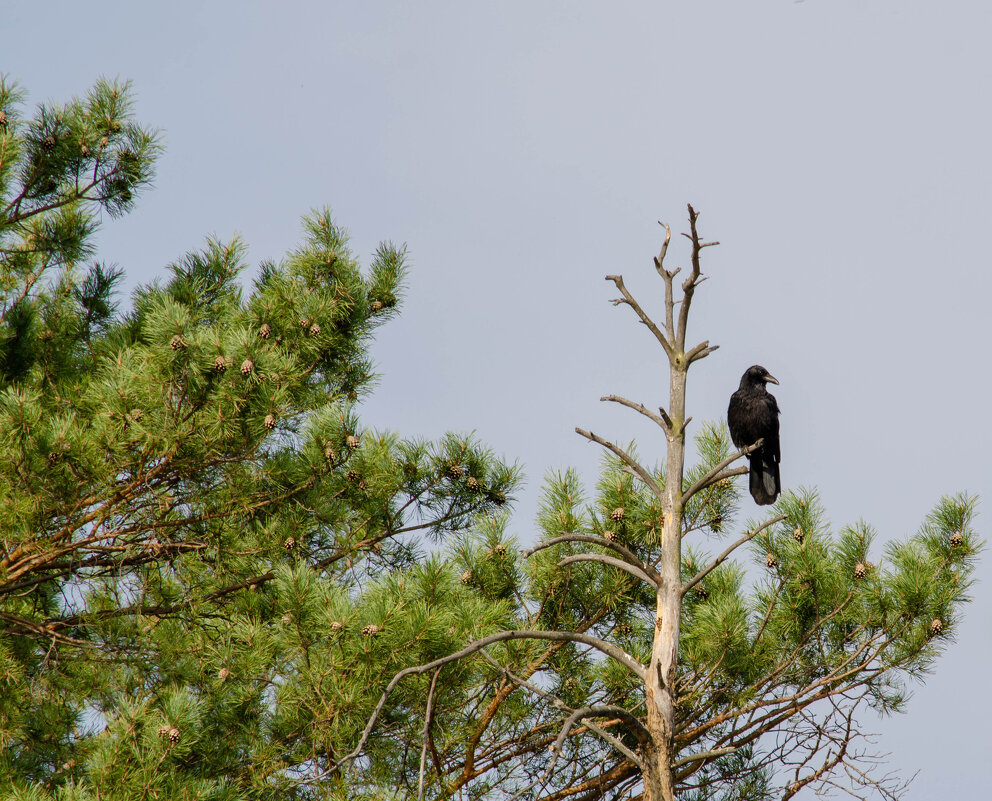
pixel 757 376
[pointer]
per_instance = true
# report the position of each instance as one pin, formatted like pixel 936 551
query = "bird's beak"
pixel 771 379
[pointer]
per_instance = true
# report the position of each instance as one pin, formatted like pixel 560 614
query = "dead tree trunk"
pixel 660 681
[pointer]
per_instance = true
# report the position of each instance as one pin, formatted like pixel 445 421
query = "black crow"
pixel 753 415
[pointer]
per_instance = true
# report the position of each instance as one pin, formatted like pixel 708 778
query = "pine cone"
pixel 290 543
pixel 798 535
pixel 770 560
pixel 336 625
pixel 220 364
pixel 617 514
pixel 498 497
pixel 936 627
pixel 623 628
pixel 270 421
pixel 178 343
pixel 472 483
pixel 329 453
pixel 104 141
pixel 287 618
pixel 371 630
pixel 265 331
pixel 351 441
pixel 352 476
pixel 247 367
pixel 48 143
pixel 466 577
pixel 314 330
pixel 84 149
pixel 860 570
pixel 610 535
pixel 376 305
pixel 716 524
pixel 223 673
pixel 701 592
pixel 174 735
pixel 500 550
pixel 455 471
pixel 305 322
pixel 957 538
pixel 163 731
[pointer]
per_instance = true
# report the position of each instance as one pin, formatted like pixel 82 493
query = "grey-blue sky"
pixel 525 149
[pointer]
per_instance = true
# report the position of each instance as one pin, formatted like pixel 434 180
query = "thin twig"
pixel 427 728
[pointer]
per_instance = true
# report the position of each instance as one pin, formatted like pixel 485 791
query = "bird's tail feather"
pixel 765 484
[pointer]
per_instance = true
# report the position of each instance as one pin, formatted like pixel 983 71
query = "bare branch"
pixel 722 557
pixel 634 465
pixel 627 554
pixel 429 717
pixel 713 476
pixel 631 720
pixel 611 560
pixel 607 648
pixel 570 721
pixel 690 283
pixel 659 262
pixel 629 300
pixel 664 421
pixel 718 752
pixel 701 351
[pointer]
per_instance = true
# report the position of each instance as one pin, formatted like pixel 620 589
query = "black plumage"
pixel 753 415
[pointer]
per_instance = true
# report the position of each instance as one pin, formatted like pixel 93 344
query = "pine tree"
pixel 207 558
pixel 635 663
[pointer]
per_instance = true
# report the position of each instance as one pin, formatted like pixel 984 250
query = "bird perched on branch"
pixel 753 415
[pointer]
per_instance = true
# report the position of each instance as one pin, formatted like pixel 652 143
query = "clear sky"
pixel 839 149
